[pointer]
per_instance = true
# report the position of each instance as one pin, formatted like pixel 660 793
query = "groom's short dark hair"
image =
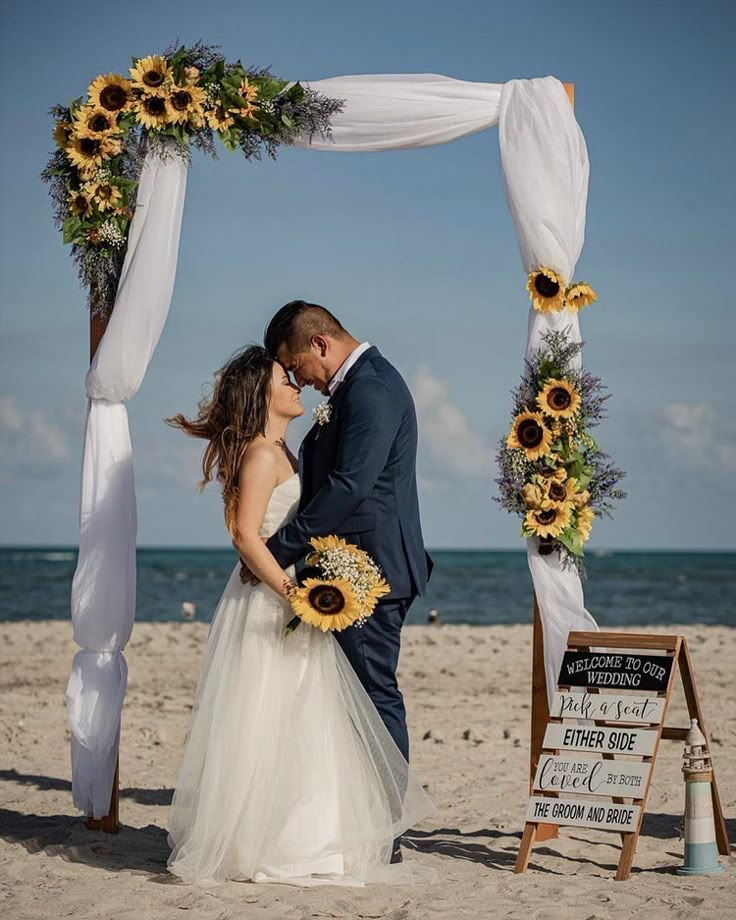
pixel 295 324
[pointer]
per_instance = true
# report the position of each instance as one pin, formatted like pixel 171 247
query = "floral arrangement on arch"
pixel 552 471
pixel 171 102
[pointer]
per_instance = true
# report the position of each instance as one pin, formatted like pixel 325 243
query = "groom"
pixel 358 474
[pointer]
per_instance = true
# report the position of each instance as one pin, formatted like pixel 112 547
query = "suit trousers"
pixel 373 651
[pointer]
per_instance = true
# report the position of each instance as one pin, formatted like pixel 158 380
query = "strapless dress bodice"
pixel 282 506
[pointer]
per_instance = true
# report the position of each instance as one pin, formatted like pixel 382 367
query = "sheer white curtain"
pixel 103 590
pixel 400 111
pixel 545 169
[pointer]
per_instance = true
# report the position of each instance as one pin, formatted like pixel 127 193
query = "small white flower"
pixel 322 413
pixel 110 233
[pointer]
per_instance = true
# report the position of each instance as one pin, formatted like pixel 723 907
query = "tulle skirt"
pixel 289 774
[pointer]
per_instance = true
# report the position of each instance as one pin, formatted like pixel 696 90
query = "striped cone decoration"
pixel 701 853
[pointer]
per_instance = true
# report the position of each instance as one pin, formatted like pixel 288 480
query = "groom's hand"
pixel 246 576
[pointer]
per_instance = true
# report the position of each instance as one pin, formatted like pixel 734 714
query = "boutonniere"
pixel 322 413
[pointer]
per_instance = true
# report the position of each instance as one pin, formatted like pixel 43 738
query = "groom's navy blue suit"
pixel 358 474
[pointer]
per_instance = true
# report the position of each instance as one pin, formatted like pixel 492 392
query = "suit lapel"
pixel 306 449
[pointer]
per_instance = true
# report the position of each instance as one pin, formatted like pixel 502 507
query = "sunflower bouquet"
pixel 170 102
pixel 552 471
pixel 344 590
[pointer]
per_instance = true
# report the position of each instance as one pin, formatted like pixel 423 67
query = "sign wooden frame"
pixel 675 648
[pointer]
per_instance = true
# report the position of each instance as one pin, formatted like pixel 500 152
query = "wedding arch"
pixel 545 172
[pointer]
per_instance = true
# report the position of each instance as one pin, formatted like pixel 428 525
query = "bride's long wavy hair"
pixel 229 418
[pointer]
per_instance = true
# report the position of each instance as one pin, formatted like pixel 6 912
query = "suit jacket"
pixel 358 474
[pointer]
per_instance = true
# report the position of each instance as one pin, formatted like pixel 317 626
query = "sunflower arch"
pixel 124 222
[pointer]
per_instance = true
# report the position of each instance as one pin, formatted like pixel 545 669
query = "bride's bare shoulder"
pixel 260 461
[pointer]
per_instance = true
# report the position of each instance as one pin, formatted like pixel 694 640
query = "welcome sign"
pixel 605 722
pixel 616 671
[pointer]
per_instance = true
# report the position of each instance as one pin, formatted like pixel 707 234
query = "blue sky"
pixel 414 250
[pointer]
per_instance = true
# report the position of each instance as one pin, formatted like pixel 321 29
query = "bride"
pixel 288 774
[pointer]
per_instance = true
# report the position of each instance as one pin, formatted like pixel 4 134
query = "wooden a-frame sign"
pixel 611 700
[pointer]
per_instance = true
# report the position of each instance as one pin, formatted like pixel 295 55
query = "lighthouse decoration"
pixel 701 854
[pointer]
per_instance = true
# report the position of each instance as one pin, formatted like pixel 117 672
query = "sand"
pixel 467 693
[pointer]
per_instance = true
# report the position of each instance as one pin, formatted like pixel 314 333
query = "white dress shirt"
pixel 341 372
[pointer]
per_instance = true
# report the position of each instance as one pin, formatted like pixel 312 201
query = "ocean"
pixel 478 587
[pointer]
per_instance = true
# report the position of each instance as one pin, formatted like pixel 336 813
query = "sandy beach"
pixel 467 693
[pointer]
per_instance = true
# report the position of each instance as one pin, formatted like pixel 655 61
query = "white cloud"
pixel 30 442
pixel 448 444
pixel 699 438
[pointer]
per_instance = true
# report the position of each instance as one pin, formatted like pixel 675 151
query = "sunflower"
pixel 579 295
pixel 218 119
pixel 559 493
pixel 153 112
pixel 580 498
pixel 87 153
pixel 110 92
pixel 248 90
pixel 322 544
pixel 529 433
pixel 532 495
pixel 62 133
pixel 185 103
pixel 545 287
pixel 80 203
pixel 559 399
pixel 374 594
pixel 548 521
pixel 191 75
pixel 246 110
pixel 328 604
pixel 151 75
pixel 106 196
pixel 94 121
pixel 553 472
pixel 585 521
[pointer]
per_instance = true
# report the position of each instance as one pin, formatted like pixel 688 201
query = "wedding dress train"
pixel 288 774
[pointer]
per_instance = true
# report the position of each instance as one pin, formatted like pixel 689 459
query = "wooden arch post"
pixel 540 704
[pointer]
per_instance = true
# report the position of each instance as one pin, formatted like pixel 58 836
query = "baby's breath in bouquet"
pixel 345 590
pixel 552 471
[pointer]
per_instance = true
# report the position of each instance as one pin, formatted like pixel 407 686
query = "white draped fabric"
pixel 400 111
pixel 103 590
pixel 545 169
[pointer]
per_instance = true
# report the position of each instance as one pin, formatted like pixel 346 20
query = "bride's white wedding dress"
pixel 289 774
